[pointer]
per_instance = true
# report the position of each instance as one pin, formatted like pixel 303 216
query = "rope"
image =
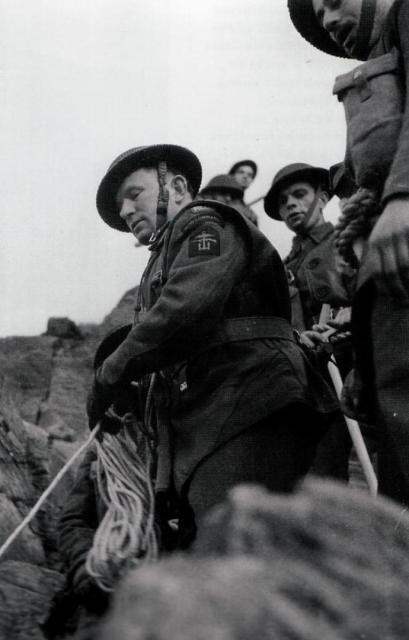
pixel 356 220
pixel 352 425
pixel 126 536
pixel 35 509
pixel 356 435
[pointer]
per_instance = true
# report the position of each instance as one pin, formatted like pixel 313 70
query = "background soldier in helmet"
pixel 377 114
pixel 222 188
pixel 297 197
pixel 213 320
pixel 244 172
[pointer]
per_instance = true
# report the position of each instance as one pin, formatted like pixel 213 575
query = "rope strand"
pixel 126 536
pixel 357 218
pixel 35 509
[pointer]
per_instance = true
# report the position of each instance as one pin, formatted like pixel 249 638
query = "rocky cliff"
pixel 43 386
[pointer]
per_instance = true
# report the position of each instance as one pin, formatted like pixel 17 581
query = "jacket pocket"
pixel 373 99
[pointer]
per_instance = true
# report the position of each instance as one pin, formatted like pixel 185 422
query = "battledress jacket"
pixel 396 35
pixel 213 316
pixel 313 272
pixel 380 323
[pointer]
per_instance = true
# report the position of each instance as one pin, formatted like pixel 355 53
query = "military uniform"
pixel 377 158
pixel 312 270
pixel 380 323
pixel 247 211
pixel 314 280
pixel 213 316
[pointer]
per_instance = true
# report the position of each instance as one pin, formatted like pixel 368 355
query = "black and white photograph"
pixel 204 328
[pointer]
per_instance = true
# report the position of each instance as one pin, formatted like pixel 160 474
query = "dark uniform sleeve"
pixel 78 523
pixel 398 181
pixel 206 256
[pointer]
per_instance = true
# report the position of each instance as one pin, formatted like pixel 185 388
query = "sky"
pixel 80 82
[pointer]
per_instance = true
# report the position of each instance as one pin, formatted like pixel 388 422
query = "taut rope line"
pixel 35 509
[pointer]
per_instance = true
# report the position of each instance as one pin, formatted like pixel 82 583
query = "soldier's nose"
pixel 126 210
pixel 330 20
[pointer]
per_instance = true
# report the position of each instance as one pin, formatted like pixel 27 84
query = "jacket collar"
pixel 320 232
pixel 317 235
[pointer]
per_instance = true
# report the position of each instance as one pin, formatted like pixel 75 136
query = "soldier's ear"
pixel 324 197
pixel 179 184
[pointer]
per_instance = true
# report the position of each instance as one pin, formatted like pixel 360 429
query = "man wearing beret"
pixel 212 319
pixel 244 173
pixel 377 112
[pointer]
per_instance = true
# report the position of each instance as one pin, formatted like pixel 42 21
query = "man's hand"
pixel 342 321
pixel 88 592
pixel 81 580
pixel 98 401
pixel 342 326
pixel 314 338
pixel 389 248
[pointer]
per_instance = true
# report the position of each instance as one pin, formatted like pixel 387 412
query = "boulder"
pixel 27 364
pixel 123 313
pixel 63 328
pixel 327 562
pixel 43 386
pixel 26 594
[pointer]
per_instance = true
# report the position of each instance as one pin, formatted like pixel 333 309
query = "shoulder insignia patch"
pixel 204 242
pixel 198 219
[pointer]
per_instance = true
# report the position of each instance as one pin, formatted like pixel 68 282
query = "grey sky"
pixel 82 81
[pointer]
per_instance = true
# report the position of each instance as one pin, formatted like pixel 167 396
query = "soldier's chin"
pixel 297 223
pixel 349 45
pixel 143 237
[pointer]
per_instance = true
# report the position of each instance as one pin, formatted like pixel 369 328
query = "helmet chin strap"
pixel 163 197
pixel 365 28
pixel 314 203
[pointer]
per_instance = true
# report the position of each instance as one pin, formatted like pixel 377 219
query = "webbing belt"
pixel 249 328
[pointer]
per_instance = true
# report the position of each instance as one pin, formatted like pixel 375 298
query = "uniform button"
pixel 314 263
pixel 322 292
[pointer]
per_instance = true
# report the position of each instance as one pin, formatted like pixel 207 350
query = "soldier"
pixel 297 197
pixel 222 188
pixel 212 319
pixel 376 106
pixel 244 172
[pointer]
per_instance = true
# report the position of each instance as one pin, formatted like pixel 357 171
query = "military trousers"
pixel 275 453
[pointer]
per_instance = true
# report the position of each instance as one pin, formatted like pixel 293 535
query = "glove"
pixel 98 401
pixel 350 398
pixel 88 592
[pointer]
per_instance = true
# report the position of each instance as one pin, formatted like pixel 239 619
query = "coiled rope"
pixel 358 214
pixel 126 536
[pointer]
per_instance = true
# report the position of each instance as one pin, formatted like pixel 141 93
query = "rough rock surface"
pixel 43 386
pixel 26 593
pixel 63 328
pixel 328 562
pixel 123 313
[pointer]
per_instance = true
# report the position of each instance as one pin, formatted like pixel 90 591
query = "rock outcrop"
pixel 43 386
pixel 328 562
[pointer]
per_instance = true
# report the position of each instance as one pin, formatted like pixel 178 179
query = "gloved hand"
pixel 350 398
pixel 87 591
pixel 98 401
